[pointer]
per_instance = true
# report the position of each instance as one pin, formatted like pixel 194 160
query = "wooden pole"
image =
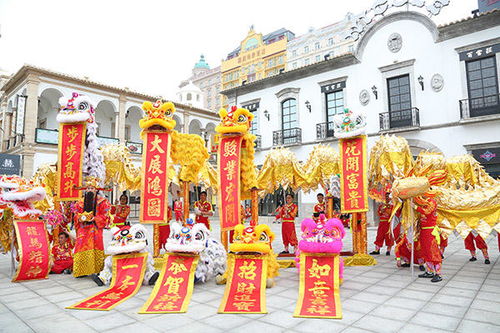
pixel 354 230
pixel 224 235
pixel 255 207
pixel 363 234
pixel 329 206
pixel 156 240
pixel 185 195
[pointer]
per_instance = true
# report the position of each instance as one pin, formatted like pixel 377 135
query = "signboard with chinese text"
pixel 70 160
pixel 10 164
pixel 20 113
pixel 353 175
pixel 481 52
pixel 172 292
pixel 34 254
pixel 246 286
pixel 128 273
pixel 319 286
pixel 229 181
pixel 154 187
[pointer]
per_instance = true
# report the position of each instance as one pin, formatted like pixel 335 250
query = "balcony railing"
pixel 51 137
pixel 258 141
pixel 399 119
pixel 288 136
pixel 324 131
pixel 134 147
pixel 480 106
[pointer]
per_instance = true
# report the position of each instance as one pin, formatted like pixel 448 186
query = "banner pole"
pixel 255 207
pixel 329 206
pixel 185 195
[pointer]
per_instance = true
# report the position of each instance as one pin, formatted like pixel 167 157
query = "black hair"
pixel 203 192
pixel 320 194
pixel 290 194
pixel 89 202
pixel 124 194
pixel 316 214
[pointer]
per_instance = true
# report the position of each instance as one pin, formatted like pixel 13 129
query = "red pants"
pixel 60 265
pixel 288 233
pixel 429 249
pixel 178 216
pixel 480 243
pixel 164 231
pixel 383 234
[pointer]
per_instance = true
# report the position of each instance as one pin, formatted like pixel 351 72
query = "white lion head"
pixel 76 109
pixel 20 194
pixel 190 239
pixel 128 239
pixel 349 124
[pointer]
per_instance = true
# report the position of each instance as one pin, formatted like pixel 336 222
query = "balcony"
pixel 290 136
pixel 258 141
pixel 134 147
pixel 408 118
pixel 51 137
pixel 479 107
pixel 324 131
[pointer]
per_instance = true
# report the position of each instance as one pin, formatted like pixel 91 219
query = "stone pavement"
pixel 380 298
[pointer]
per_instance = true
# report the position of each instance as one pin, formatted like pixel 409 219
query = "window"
pixel 317 46
pixel 289 120
pixel 189 97
pixel 306 61
pixel 294 53
pixel 482 84
pixel 255 122
pixel 351 48
pixel 330 41
pixel 306 49
pixel 197 97
pixel 399 101
pixel 318 58
pixel 127 132
pixel 334 105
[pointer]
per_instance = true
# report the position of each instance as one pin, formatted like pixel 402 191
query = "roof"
pixel 266 38
pixel 201 63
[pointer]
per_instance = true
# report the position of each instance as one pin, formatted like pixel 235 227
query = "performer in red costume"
pixel 164 229
pixel 320 207
pixel 62 254
pixel 383 231
pixel 480 244
pixel 203 210
pixel 429 238
pixel 121 212
pixel 289 213
pixel 178 210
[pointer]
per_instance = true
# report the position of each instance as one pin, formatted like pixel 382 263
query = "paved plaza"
pixel 379 298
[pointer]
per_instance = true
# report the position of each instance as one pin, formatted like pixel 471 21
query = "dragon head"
pixel 76 109
pixel 237 120
pixel 191 238
pixel 252 239
pixel 349 124
pixel 158 113
pixel 128 239
pixel 19 194
pixel 322 237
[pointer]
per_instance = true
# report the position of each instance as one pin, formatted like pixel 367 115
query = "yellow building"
pixel 256 58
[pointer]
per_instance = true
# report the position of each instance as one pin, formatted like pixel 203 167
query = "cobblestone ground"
pixel 380 298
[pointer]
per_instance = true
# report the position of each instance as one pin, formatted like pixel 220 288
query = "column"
pixel 120 119
pixel 186 122
pixel 31 115
pixel 28 162
pixel 4 135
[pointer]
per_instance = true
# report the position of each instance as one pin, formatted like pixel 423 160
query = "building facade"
pixel 437 86
pixel 320 44
pixel 209 81
pixel 256 58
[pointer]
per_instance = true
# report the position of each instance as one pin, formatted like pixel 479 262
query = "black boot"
pixel 406 264
pixel 487 261
pixel 426 275
pixel 97 280
pixel 388 253
pixel 422 268
pixel 153 278
pixel 375 252
pixel 473 259
pixel 437 278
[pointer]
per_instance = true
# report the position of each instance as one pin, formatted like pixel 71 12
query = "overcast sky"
pixel 150 46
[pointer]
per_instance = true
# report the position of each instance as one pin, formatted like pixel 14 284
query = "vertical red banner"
pixel 128 273
pixel 154 185
pixel 33 247
pixel 172 292
pixel 353 178
pixel 246 286
pixel 229 181
pixel 70 160
pixel 319 286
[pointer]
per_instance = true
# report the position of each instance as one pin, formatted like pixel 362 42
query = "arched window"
pixel 289 113
pixel 197 97
pixel 188 96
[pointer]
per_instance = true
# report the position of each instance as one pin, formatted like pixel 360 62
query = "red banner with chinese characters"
pixel 154 187
pixel 70 160
pixel 353 175
pixel 246 285
pixel 229 181
pixel 128 273
pixel 172 292
pixel 319 286
pixel 33 247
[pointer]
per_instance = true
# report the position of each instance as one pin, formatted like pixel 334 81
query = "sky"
pixel 150 46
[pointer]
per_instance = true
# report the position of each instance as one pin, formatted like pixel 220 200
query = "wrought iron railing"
pixel 258 141
pixel 480 106
pixel 399 119
pixel 324 131
pixel 288 136
pixel 134 147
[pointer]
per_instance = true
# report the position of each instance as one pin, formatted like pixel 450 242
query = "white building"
pixel 437 86
pixel 316 44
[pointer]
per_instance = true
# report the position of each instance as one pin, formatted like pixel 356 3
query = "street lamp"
pixel 421 81
pixel 308 106
pixel 374 91
pixel 266 114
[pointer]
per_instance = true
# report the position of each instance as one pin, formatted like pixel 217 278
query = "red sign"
pixel 319 286
pixel 70 160
pixel 172 292
pixel 154 188
pixel 229 181
pixel 353 178
pixel 246 286
pixel 128 273
pixel 34 252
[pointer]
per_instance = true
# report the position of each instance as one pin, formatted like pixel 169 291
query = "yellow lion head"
pixel 237 120
pixel 158 114
pixel 252 239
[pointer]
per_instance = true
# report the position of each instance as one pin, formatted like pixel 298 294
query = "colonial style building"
pixel 437 86
pixel 29 104
pixel 208 80
pixel 320 44
pixel 256 58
